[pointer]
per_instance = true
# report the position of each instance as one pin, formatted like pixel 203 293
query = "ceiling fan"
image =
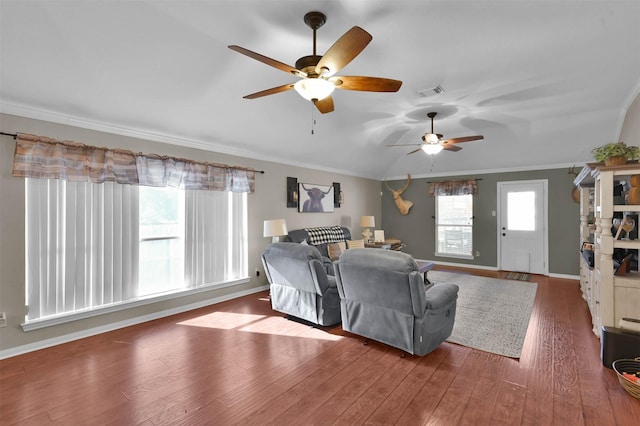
pixel 433 142
pixel 316 72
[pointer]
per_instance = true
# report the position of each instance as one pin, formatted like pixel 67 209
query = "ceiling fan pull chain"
pixel 313 117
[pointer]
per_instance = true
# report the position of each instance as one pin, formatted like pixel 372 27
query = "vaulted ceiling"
pixel 543 81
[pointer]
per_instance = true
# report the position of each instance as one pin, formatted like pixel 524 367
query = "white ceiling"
pixel 543 81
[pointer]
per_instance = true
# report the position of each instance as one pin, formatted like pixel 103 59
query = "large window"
pixel 454 225
pixel 91 247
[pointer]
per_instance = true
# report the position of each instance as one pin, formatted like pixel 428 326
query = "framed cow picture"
pixel 314 198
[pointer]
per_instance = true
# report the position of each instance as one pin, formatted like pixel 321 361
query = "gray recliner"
pixel 299 235
pixel 299 283
pixel 383 298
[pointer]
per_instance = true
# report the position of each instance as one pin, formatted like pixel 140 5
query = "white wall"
pixel 362 197
pixel 630 133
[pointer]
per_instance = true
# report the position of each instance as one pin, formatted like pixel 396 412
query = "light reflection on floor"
pixel 264 324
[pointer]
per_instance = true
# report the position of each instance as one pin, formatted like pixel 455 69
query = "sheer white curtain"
pixel 82 245
pixel 215 237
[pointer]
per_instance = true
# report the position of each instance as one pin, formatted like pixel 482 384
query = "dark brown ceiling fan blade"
pixel 464 139
pixel 451 147
pixel 271 91
pixel 366 84
pixel 266 60
pixel 324 105
pixel 343 51
pixel 414 151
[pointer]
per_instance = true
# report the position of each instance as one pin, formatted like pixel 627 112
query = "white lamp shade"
pixel 314 88
pixel 432 148
pixel 274 228
pixel 367 221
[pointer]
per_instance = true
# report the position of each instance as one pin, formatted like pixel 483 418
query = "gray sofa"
pixel 383 297
pixel 299 284
pixel 320 237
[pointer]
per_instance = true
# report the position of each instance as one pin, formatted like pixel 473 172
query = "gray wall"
pixel 416 229
pixel 630 133
pixel 268 202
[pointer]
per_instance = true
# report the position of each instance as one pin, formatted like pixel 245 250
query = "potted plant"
pixel 615 153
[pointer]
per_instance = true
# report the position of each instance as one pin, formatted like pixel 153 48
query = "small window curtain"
pixel 453 187
pixel 82 243
pixel 45 158
pixel 155 170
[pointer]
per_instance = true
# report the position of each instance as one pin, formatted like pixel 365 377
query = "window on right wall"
pixel 454 226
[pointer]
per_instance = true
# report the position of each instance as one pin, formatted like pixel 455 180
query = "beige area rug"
pixel 492 315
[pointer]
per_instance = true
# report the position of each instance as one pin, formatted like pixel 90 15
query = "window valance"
pixel 45 158
pixel 453 187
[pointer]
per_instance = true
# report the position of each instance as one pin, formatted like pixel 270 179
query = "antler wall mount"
pixel 403 205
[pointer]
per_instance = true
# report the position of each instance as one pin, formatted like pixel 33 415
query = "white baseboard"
pixel 19 350
pixel 565 276
pixel 493 268
pixel 462 265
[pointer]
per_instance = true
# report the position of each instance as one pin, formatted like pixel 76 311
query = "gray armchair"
pixel 383 298
pixel 299 283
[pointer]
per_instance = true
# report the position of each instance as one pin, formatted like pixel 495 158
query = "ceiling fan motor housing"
pixel 431 138
pixel 307 64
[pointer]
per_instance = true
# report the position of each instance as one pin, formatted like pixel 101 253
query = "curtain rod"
pixel 15 135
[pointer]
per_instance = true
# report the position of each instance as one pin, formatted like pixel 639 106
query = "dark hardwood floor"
pixel 239 362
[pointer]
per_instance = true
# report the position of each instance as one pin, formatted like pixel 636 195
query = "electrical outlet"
pixel 3 319
pixel 477 253
pixel 257 272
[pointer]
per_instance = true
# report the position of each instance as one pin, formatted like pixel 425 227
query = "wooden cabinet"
pixel 610 297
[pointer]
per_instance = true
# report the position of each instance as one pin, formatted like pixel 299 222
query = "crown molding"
pixel 27 111
pixel 489 171
pixel 34 113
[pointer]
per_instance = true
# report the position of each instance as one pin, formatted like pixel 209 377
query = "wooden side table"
pixel 387 244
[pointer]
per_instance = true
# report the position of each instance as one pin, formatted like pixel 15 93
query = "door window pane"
pixel 521 211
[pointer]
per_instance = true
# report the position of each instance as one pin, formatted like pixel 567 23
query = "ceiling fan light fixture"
pixel 432 148
pixel 314 88
pixel 431 138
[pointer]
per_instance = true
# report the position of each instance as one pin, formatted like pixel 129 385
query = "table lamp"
pixel 367 222
pixel 274 228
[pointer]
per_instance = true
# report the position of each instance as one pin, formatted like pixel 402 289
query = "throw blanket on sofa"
pixel 325 234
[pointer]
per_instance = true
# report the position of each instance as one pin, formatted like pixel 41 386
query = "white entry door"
pixel 522 226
